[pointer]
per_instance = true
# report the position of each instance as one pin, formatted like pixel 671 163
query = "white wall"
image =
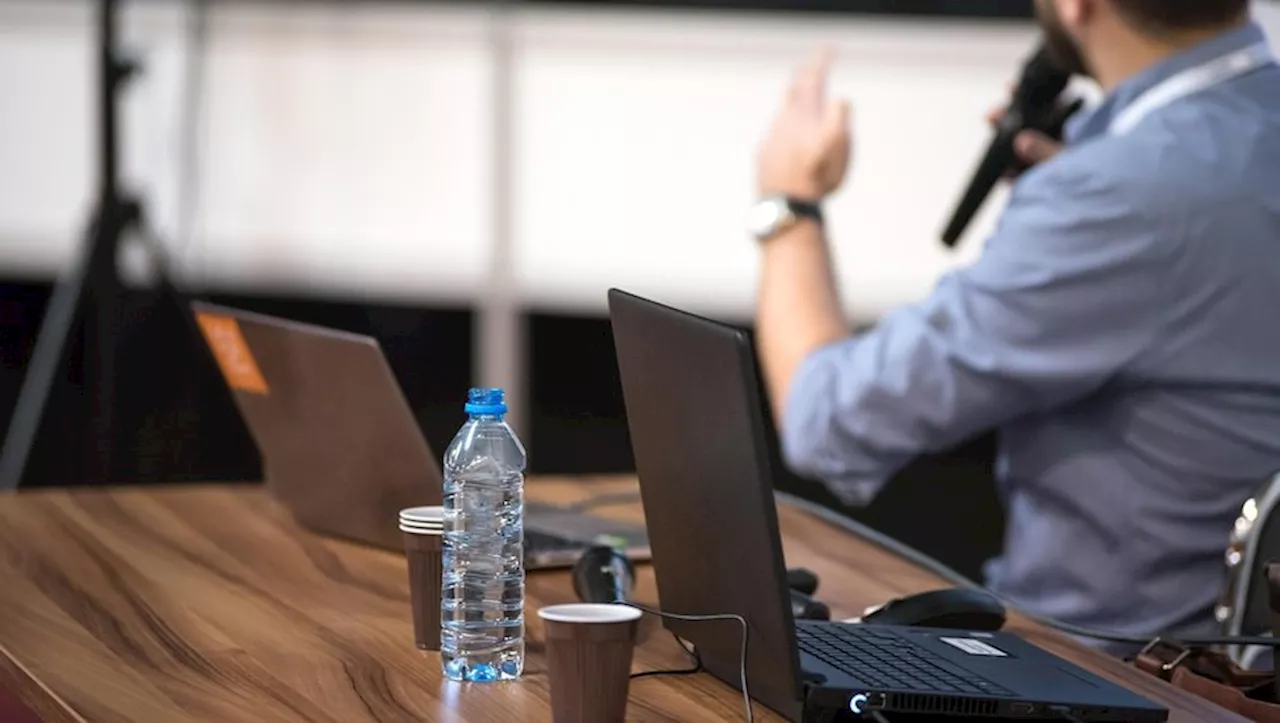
pixel 1268 13
pixel 667 157
pixel 343 150
pixel 347 148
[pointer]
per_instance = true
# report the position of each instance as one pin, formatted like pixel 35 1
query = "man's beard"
pixel 1061 47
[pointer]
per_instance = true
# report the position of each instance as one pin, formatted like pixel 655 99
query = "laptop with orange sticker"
pixel 230 350
pixel 340 445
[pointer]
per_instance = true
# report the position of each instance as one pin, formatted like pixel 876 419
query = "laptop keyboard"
pixel 885 660
pixel 546 543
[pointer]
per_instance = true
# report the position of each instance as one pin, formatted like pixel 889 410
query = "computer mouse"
pixel 954 609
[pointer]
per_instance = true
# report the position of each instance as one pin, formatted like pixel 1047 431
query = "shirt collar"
pixel 1096 121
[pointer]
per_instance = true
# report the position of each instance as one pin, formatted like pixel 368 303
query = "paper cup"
pixel 423 553
pixel 421 529
pixel 589 650
pixel 429 515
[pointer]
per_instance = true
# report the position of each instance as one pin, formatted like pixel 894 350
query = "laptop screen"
pixel 698 434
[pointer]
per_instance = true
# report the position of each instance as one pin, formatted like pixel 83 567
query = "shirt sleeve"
pixel 1063 297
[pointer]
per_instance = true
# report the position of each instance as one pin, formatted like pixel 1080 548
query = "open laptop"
pixel 340 446
pixel 698 434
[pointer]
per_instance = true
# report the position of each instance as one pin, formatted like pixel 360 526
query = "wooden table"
pixel 209 603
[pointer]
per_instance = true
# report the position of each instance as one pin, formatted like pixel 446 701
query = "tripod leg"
pixel 91 280
pixel 102 347
pixel 47 358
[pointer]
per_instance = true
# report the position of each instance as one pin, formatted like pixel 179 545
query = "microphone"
pixel 603 575
pixel 1034 106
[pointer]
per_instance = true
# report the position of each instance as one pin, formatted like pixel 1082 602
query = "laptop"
pixel 340 446
pixel 705 466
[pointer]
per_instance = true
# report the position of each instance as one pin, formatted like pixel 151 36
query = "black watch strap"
pixel 775 214
pixel 805 209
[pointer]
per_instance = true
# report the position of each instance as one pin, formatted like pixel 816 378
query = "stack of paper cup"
pixel 422 527
pixel 422 520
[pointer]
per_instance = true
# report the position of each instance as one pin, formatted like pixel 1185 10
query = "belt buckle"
pixel 1162 658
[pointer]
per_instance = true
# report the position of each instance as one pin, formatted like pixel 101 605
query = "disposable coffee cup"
pixel 589 650
pixel 422 551
pixel 427 515
pixel 421 527
pixel 420 523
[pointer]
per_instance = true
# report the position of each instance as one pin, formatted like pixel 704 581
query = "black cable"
pixel 674 673
pixel 878 716
pixel 746 694
pixel 941 570
pixel 1190 642
pixel 693 654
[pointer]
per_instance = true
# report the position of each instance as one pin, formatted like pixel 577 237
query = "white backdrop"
pixel 355 150
pixel 347 150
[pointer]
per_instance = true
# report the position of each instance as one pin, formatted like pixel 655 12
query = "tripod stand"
pixel 90 292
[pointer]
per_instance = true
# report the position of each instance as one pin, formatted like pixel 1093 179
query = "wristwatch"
pixel 772 215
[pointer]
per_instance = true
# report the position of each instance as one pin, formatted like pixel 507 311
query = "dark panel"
pixel 21 308
pixel 578 417
pixel 175 420
pixel 177 423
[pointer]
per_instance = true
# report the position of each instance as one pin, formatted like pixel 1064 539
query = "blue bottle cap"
pixel 486 401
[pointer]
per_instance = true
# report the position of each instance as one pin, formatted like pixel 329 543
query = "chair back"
pixel 1245 606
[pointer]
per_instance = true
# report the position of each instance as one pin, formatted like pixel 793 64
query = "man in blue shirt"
pixel 1121 329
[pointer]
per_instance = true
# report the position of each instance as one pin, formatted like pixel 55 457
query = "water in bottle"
pixel 482 597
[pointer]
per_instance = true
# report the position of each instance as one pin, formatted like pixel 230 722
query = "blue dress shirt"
pixel 1122 331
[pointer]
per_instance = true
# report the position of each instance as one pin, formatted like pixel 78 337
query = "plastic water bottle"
pixel 482 596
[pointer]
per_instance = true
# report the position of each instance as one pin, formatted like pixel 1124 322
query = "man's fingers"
pixel 1035 147
pixel 995 114
pixel 821 63
pixel 809 86
pixel 836 122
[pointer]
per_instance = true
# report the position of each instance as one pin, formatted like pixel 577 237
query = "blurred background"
pixel 464 181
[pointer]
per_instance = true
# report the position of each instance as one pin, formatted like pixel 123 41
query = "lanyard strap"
pixel 1191 81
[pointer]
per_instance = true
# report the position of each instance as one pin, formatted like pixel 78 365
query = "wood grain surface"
pixel 211 604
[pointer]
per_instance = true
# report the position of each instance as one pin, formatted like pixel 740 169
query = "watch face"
pixel 767 216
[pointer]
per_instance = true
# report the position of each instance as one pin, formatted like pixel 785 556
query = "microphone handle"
pixel 1000 156
pixel 1054 126
pixel 1001 160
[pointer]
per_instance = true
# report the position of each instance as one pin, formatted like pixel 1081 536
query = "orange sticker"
pixel 231 351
